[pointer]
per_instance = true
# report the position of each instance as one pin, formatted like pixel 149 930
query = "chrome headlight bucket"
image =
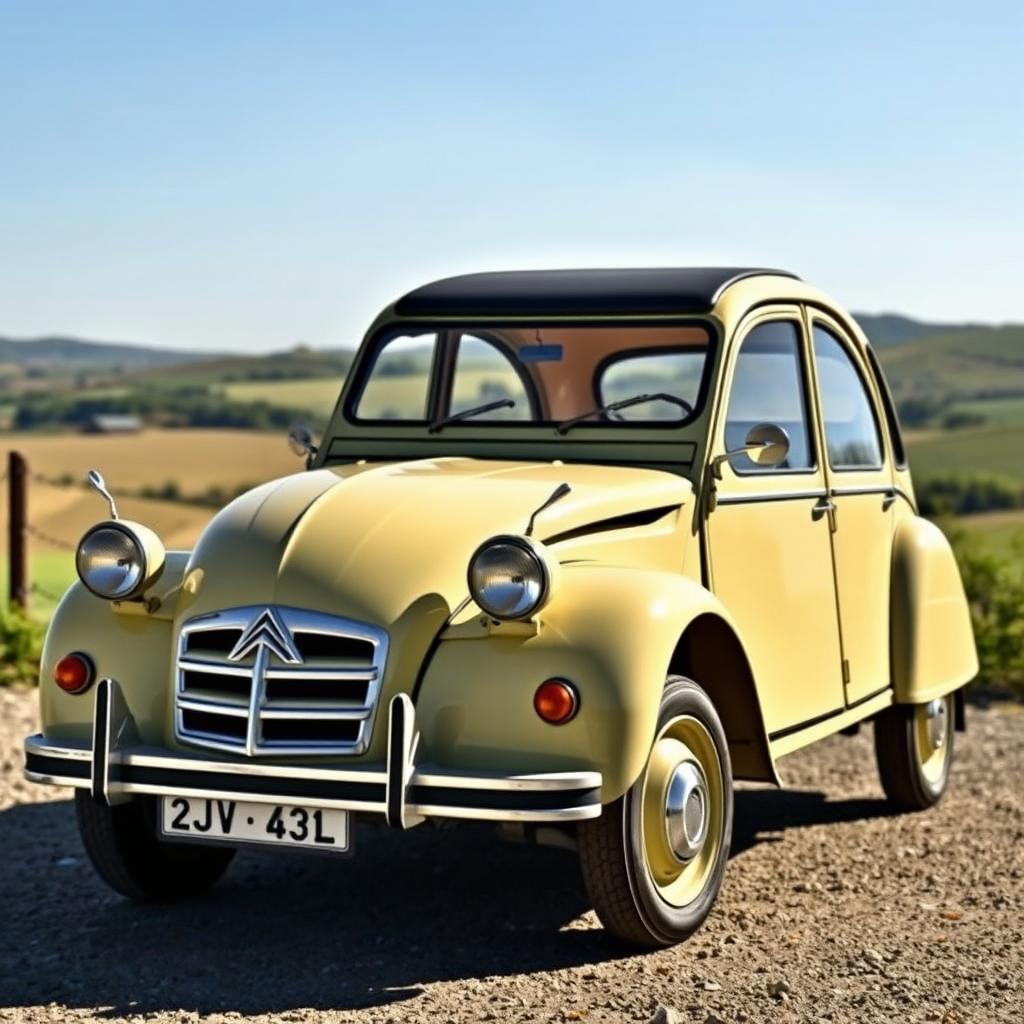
pixel 510 577
pixel 117 560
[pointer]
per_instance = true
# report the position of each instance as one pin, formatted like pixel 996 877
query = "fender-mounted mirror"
pixel 300 440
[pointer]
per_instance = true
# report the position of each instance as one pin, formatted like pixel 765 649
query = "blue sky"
pixel 247 176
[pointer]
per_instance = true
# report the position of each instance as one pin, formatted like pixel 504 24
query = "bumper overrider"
pixel 118 766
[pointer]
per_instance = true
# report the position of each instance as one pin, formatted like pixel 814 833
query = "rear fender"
pixel 932 642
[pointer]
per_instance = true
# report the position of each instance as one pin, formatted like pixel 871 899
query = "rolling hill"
pixel 887 330
pixel 948 363
pixel 60 350
pixel 968 363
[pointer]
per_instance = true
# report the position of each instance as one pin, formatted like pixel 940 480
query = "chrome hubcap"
pixel 936 713
pixel 686 811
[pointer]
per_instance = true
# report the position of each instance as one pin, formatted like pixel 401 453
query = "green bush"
pixel 919 412
pixel 166 407
pixel 170 490
pixel 954 494
pixel 995 589
pixel 21 646
pixel 961 418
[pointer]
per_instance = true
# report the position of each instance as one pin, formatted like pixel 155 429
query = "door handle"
pixel 825 507
pixel 889 499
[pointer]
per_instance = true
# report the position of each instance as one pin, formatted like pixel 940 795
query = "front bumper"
pixel 117 767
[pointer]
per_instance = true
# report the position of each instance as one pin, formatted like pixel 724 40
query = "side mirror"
pixel 300 440
pixel 767 445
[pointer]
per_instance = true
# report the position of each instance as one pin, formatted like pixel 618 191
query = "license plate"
pixel 240 821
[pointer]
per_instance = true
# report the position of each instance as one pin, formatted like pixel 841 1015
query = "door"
pixel 769 547
pixel 860 485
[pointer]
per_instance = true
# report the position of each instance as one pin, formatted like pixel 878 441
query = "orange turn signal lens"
pixel 556 701
pixel 74 673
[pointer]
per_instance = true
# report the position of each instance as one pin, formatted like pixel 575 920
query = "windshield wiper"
pixel 501 403
pixel 658 396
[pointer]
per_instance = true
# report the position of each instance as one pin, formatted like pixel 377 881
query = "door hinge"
pixel 846 671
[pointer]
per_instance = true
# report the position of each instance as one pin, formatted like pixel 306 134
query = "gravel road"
pixel 833 910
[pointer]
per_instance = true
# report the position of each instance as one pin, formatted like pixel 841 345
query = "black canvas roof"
pixel 575 292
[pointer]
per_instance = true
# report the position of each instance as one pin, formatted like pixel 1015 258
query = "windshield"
pixel 534 374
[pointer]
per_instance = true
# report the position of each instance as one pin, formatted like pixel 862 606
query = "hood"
pixel 370 542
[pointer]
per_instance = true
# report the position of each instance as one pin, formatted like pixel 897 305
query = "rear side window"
pixel 769 386
pixel 851 430
pixel 899 453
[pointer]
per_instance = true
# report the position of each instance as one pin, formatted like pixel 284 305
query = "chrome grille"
pixel 273 680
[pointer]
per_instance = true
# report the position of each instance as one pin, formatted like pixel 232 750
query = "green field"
pixel 51 571
pixel 962 363
pixel 1001 412
pixel 401 396
pixel 317 396
pixel 999 532
pixel 991 450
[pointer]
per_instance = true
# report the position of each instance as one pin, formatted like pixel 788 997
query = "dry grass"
pixel 194 459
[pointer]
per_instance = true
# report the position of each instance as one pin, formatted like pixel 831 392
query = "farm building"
pixel 112 423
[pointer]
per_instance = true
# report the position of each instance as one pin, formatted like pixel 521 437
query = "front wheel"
pixel 122 844
pixel 653 862
pixel 914 750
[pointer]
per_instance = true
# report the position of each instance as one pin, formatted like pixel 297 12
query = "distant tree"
pixel 917 412
pixel 960 418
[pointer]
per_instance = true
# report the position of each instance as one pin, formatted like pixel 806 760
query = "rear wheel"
pixel 122 844
pixel 914 750
pixel 653 862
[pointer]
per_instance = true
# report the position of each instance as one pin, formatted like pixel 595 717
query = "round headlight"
pixel 509 578
pixel 111 562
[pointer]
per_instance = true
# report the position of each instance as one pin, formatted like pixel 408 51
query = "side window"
pixel 398 384
pixel 769 386
pixel 483 373
pixel 899 453
pixel 851 430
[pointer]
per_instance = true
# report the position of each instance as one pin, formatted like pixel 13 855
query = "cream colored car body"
pixel 798 620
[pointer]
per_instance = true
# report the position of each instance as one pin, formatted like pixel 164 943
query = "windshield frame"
pixel 442 368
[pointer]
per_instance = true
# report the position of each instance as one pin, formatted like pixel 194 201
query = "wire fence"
pixel 26 543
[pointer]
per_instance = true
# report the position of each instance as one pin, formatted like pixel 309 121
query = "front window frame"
pixel 447 335
pixel 807 394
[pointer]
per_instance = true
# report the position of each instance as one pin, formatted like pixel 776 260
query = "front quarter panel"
pixel 933 649
pixel 610 631
pixel 130 643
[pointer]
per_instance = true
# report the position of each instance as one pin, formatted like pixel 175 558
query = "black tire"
pixel 611 847
pixel 907 783
pixel 122 844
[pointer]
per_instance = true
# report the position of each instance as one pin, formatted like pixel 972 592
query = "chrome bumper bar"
pixel 118 766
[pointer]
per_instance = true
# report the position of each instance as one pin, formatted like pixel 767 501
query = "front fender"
pixel 613 632
pixel 933 648
pixel 130 643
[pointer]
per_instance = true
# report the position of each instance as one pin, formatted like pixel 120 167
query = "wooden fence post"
pixel 17 526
